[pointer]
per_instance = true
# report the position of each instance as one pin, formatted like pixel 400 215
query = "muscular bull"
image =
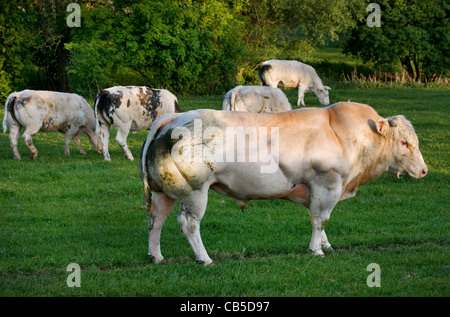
pixel 315 157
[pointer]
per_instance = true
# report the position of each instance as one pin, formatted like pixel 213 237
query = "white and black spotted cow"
pixel 38 110
pixel 130 108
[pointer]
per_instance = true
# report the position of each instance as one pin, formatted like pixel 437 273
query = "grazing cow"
pixel 130 108
pixel 256 99
pixel 49 111
pixel 293 74
pixel 321 156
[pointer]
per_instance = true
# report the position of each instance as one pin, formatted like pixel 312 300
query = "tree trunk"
pixel 406 62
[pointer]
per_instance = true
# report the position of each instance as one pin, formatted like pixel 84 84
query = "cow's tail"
pixel 229 102
pixel 9 108
pixel 98 109
pixel 262 73
pixel 155 129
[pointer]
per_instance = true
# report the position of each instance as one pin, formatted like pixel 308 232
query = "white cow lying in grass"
pixel 48 111
pixel 256 99
pixel 293 74
pixel 130 108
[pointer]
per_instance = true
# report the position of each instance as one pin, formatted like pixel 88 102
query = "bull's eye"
pixel 405 143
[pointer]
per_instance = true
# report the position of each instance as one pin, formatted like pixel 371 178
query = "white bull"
pixel 293 74
pixel 48 111
pixel 130 108
pixel 256 99
pixel 315 157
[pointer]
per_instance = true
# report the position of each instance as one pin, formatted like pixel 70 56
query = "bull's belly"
pixel 244 187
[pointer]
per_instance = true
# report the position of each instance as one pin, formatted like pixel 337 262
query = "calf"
pixel 256 99
pixel 48 111
pixel 130 108
pixel 294 74
pixel 314 157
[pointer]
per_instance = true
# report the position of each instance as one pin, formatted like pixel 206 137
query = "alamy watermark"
pixel 374 278
pixel 374 18
pixel 74 278
pixel 231 144
pixel 74 19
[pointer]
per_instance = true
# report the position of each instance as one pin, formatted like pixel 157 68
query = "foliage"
pixel 415 33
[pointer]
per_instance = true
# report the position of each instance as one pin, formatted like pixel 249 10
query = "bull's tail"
pixel 98 109
pixel 262 73
pixel 156 127
pixel 9 108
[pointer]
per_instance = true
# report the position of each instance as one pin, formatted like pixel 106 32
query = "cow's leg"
pixel 14 134
pixel 77 140
pixel 301 95
pixel 323 199
pixel 28 138
pixel 191 213
pixel 121 138
pixel 161 206
pixel 104 138
pixel 68 136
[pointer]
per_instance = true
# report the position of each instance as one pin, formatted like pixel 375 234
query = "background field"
pixel 58 210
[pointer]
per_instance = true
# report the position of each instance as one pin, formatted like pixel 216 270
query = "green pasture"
pixel 80 209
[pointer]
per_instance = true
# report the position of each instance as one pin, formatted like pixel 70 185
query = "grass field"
pixel 80 209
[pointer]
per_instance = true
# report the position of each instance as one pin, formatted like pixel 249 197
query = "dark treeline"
pixel 201 47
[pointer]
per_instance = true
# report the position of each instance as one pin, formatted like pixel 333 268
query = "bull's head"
pixel 323 95
pixel 404 155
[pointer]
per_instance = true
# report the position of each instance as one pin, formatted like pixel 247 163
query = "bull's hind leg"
pixel 14 134
pixel 161 206
pixel 28 138
pixel 191 213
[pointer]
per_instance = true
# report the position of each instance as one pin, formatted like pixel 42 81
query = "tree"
pixel 414 33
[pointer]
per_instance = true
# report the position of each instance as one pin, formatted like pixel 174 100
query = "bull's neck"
pixel 370 167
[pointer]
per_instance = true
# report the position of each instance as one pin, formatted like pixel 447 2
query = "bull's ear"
pixel 327 88
pixel 382 126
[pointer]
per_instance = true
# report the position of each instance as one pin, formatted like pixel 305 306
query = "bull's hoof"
pixel 33 156
pixel 205 262
pixel 318 253
pixel 157 259
pixel 327 247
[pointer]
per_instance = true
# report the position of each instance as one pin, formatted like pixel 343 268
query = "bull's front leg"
pixel 323 199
